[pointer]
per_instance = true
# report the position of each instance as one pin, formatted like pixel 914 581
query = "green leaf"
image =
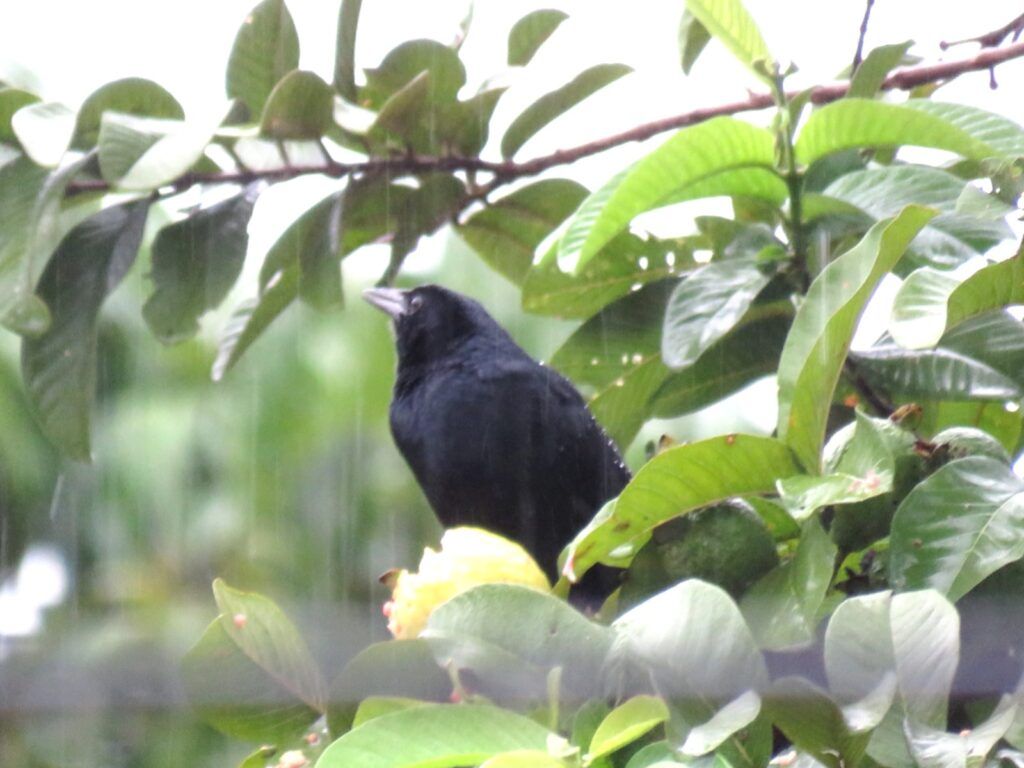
pixel 345 50
pixel 251 674
pixel 447 74
pixel 688 165
pixel 957 527
pixel 462 734
pixel 851 123
pixel 1003 137
pixel 627 264
pixel 484 628
pixel 44 130
pixel 782 608
pixel 301 106
pixel 951 237
pixel 706 306
pixel 30 228
pixel 59 366
pixel 556 102
pixel 465 126
pixel 627 723
pixel 812 720
pixel 734 716
pixel 981 358
pixel 865 468
pixel 195 264
pixel 508 231
pixel 145 153
pixel 925 632
pixel 529 33
pixel 266 48
pixel 130 96
pixel 930 301
pixel 730 23
pixel 12 100
pixel 875 67
pixel 820 337
pixel 693 37
pixel 748 352
pixel 698 650
pixel 858 651
pixel 251 318
pixel 395 668
pixel 677 481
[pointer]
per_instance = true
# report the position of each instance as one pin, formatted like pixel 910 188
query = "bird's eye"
pixel 415 303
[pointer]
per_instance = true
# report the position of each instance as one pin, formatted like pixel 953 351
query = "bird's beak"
pixel 388 300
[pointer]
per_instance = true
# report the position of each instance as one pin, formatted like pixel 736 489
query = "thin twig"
pixel 858 56
pixel 993 38
pixel 507 171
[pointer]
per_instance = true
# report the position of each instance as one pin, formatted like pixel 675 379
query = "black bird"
pixel 494 438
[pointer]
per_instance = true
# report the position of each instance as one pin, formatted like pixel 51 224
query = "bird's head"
pixel 431 322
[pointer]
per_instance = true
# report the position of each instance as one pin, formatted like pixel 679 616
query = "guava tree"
pixel 817 583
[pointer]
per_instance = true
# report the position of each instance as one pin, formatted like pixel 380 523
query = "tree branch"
pixel 507 171
pixel 993 38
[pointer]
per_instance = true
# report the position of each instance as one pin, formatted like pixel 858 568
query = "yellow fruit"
pixel 468 557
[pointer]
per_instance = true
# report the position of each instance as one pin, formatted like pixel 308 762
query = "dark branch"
pixel 858 56
pixel 878 402
pixel 504 172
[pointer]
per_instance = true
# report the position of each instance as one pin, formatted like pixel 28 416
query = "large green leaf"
pixel 59 366
pixel 851 123
pixel 454 735
pixel 679 480
pixel 301 106
pixel 930 301
pixel 556 102
pixel 700 654
pixel 44 130
pixel 446 73
pixel 345 49
pixel 695 157
pixel 858 651
pixel 782 608
pixel 145 153
pixel 503 635
pixel 925 630
pixel 820 337
pixel 729 22
pixel 195 263
pixel 507 232
pixel 952 236
pixel 393 668
pixel 957 527
pixel 130 96
pixel 530 32
pixel 251 674
pixel 706 306
pixel 266 48
pixel 1002 136
pixel 30 228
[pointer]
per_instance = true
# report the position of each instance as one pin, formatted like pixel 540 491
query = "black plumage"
pixel 494 438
